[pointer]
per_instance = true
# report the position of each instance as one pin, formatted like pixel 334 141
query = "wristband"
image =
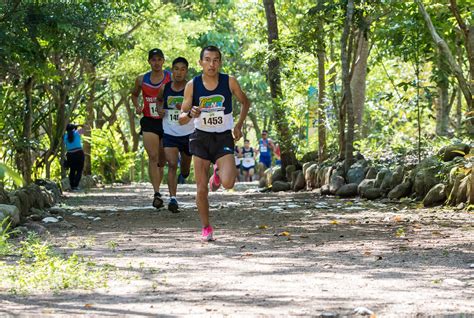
pixel 189 114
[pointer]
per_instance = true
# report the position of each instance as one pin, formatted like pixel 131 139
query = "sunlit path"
pixel 275 254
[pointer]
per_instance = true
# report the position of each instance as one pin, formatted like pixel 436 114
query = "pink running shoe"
pixel 214 180
pixel 206 235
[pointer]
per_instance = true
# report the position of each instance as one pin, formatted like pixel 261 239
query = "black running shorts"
pixel 211 146
pixel 152 125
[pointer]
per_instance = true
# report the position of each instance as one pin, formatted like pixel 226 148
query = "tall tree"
pixel 346 84
pixel 463 82
pixel 288 157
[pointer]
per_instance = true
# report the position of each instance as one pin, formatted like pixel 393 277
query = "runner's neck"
pixel 156 77
pixel 210 82
pixel 178 86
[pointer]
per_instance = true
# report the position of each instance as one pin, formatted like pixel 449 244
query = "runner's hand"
pixel 161 113
pixel 195 111
pixel 237 133
pixel 139 111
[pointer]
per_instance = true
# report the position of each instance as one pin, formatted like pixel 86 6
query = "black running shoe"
pixel 158 201
pixel 173 205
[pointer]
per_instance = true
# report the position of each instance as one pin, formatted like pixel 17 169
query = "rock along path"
pixel 276 254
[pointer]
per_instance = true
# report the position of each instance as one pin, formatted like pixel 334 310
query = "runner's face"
pixel 247 144
pixel 156 63
pixel 210 63
pixel 179 72
pixel 264 135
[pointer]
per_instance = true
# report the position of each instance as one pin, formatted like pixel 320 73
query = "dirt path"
pixel 285 254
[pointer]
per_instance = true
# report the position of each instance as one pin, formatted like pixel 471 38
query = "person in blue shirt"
pixel 74 154
pixel 265 149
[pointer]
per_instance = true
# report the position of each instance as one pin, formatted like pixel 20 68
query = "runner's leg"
pixel 201 172
pixel 161 164
pixel 171 154
pixel 227 173
pixel 151 142
pixel 185 164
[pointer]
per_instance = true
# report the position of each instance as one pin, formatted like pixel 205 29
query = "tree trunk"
pixel 322 153
pixel 359 78
pixel 256 127
pixel 347 100
pixel 25 161
pixel 131 121
pixel 287 155
pixel 91 72
pixel 443 106
pixel 444 49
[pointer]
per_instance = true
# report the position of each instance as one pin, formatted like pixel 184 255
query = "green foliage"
pixel 110 161
pixel 7 172
pixel 40 268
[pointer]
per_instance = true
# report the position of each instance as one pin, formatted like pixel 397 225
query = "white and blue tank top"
pixel 172 102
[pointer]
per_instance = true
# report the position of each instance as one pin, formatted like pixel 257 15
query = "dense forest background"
pixel 390 79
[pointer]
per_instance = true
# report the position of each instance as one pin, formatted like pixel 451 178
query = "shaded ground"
pixel 285 254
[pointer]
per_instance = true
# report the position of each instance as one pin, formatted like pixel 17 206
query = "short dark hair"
pixel 180 60
pixel 154 52
pixel 264 132
pixel 210 48
pixel 246 140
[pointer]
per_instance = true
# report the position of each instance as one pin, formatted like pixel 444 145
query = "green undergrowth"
pixel 34 266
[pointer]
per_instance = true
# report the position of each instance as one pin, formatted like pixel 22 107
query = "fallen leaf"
pixel 263 227
pixel 304 236
pixel 88 305
pixel 334 222
pixel 367 253
pixel 285 233
pixel 397 218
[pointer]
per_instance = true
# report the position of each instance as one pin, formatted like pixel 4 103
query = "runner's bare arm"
pixel 135 93
pixel 245 106
pixel 161 103
pixel 186 106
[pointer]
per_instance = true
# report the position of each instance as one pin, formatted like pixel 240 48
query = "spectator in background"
pixel 74 154
pixel 265 148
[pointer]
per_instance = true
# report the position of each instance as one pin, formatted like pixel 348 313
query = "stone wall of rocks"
pixel 445 178
pixel 18 205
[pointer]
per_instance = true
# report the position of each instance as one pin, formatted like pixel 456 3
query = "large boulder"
pixel 299 181
pixel 425 179
pixel 397 176
pixel 364 185
pixel 347 190
pixel 306 165
pixel 325 190
pixel 380 177
pixel 371 173
pixel 336 183
pixel 400 191
pixel 310 176
pixel 11 212
pixel 280 186
pixel 386 184
pixel 289 171
pixel 65 185
pixel 426 176
pixel 4 198
pixel 435 196
pixel 448 153
pixel 87 182
pixel 462 193
pixel 356 172
pixel 372 193
pixel 22 201
pixel 51 186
